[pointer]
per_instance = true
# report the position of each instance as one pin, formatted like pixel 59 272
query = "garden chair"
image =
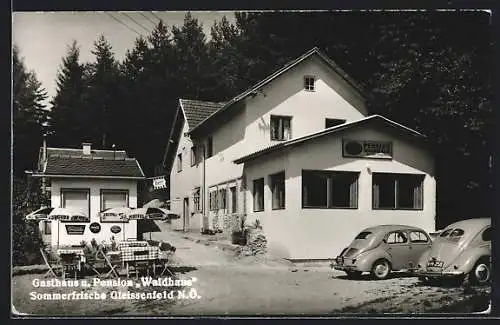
pixel 111 261
pixel 138 264
pixel 165 256
pixel 69 262
pixel 49 262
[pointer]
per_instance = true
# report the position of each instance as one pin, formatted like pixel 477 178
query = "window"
pixel 280 128
pixel 179 162
pixel 363 235
pixel 487 234
pixel 457 233
pixel 78 199
pixel 278 190
pixel 258 195
pixel 193 156
pixel 309 83
pixel 222 198
pixel 327 189
pixel 47 227
pixel 114 199
pixel 213 200
pixel 331 122
pixel 396 237
pixel 196 199
pixel 418 237
pixel 234 199
pixel 210 147
pixel 397 191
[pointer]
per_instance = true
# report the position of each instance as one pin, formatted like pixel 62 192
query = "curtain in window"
pixel 417 195
pixel 76 199
pixel 286 129
pixel 353 194
pixel 114 200
pixel 376 195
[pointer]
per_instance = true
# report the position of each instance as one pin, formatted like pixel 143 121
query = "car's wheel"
pixel 353 274
pixel 381 269
pixel 426 280
pixel 481 273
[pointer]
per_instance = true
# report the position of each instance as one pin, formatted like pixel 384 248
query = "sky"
pixel 43 37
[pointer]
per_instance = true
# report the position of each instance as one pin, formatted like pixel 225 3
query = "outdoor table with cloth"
pixel 138 256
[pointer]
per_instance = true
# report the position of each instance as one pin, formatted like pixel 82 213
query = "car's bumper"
pixel 346 267
pixel 438 274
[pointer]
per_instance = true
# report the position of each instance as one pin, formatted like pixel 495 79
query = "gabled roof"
pixel 338 128
pixel 286 67
pixel 197 111
pixel 69 162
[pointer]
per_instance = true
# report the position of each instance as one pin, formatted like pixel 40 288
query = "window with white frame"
pixel 397 191
pixel 179 162
pixel 113 199
pixel 258 195
pixel 331 122
pixel 78 199
pixel 309 83
pixel 210 147
pixel 213 200
pixel 277 182
pixel 47 227
pixel 234 199
pixel 196 200
pixel 193 156
pixel 329 189
pixel 281 128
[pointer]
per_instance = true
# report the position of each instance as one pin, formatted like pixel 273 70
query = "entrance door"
pixel 185 214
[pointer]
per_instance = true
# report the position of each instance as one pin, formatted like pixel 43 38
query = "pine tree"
pixel 69 113
pixel 28 115
pixel 102 97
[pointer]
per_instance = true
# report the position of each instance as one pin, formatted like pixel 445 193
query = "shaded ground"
pixel 226 285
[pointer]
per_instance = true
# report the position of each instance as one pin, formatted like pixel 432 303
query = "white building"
pixel 298 152
pixel 90 181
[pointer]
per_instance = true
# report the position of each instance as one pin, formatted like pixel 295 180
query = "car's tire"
pixel 426 280
pixel 381 269
pixel 353 274
pixel 481 272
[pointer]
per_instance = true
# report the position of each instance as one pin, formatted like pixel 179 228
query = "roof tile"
pixel 197 111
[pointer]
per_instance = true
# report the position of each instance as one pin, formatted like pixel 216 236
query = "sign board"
pixel 159 182
pixel 113 217
pixel 95 227
pixel 115 229
pixel 75 229
pixel 367 149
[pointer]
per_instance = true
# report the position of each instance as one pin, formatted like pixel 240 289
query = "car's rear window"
pixel 457 233
pixel 363 235
pixel 452 233
pixel 446 233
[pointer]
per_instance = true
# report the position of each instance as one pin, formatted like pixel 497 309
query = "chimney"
pixel 86 148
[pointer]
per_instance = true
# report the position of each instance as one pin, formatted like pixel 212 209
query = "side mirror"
pixel 384 241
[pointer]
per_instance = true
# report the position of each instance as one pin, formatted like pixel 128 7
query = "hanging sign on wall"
pixel 367 149
pixel 75 229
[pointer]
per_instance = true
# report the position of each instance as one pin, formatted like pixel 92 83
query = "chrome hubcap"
pixel 381 269
pixel 482 273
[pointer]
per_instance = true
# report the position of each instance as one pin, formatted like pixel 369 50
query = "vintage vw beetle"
pixel 382 249
pixel 462 250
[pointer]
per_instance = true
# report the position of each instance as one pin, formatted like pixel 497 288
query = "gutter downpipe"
pixel 203 192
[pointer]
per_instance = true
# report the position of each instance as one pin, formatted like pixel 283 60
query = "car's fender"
pixel 422 261
pixel 467 259
pixel 365 260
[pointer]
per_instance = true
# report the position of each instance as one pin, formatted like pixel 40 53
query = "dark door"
pixel 185 214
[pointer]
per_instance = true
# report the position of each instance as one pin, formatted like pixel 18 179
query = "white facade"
pixel 59 236
pixel 248 130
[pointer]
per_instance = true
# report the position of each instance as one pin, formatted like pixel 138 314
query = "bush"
pixel 26 236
